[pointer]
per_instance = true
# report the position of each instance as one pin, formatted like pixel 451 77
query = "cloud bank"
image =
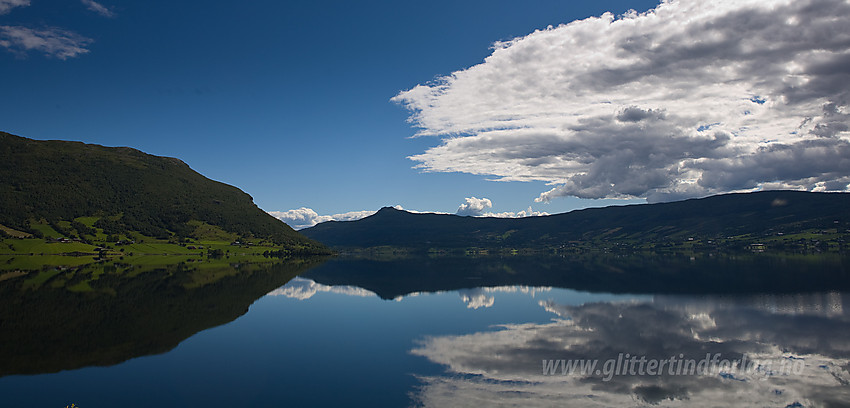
pixel 688 99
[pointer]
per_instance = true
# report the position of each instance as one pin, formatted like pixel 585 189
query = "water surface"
pixel 436 332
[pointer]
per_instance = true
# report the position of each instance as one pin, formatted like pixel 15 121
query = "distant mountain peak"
pixel 390 210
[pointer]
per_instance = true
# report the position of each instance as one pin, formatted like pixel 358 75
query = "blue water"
pixel 310 344
pixel 329 350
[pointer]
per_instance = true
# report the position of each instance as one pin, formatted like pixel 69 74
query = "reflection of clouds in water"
pixel 409 295
pixel 476 298
pixel 503 367
pixel 300 288
pixel 826 304
pixel 482 297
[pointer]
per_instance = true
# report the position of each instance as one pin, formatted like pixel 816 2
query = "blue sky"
pixel 291 101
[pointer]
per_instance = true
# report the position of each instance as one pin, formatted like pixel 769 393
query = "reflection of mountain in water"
pixel 302 289
pixel 638 273
pixel 503 367
pixel 124 314
pixel 777 311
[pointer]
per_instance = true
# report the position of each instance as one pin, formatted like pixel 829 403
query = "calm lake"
pixel 748 330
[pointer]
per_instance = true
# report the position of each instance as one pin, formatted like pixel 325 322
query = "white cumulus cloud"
pixel 52 42
pixel 98 8
pixel 691 98
pixel 7 5
pixel 474 206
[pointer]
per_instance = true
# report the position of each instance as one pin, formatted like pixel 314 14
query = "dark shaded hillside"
pixel 712 217
pixel 126 315
pixel 634 273
pixel 129 189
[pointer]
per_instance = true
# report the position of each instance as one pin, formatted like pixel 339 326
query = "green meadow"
pixel 76 254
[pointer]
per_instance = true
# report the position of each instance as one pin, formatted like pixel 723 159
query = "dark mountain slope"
pixel 48 329
pixel 130 191
pixel 717 216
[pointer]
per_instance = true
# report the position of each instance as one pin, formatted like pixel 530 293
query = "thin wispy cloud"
pixel 51 41
pixel 8 5
pixel 98 8
pixel 689 99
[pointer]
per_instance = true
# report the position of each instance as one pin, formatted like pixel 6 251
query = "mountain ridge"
pixel 714 217
pixel 125 190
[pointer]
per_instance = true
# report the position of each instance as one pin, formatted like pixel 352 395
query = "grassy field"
pixel 45 230
pixel 80 273
pixel 82 258
pixel 81 238
pixel 29 258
